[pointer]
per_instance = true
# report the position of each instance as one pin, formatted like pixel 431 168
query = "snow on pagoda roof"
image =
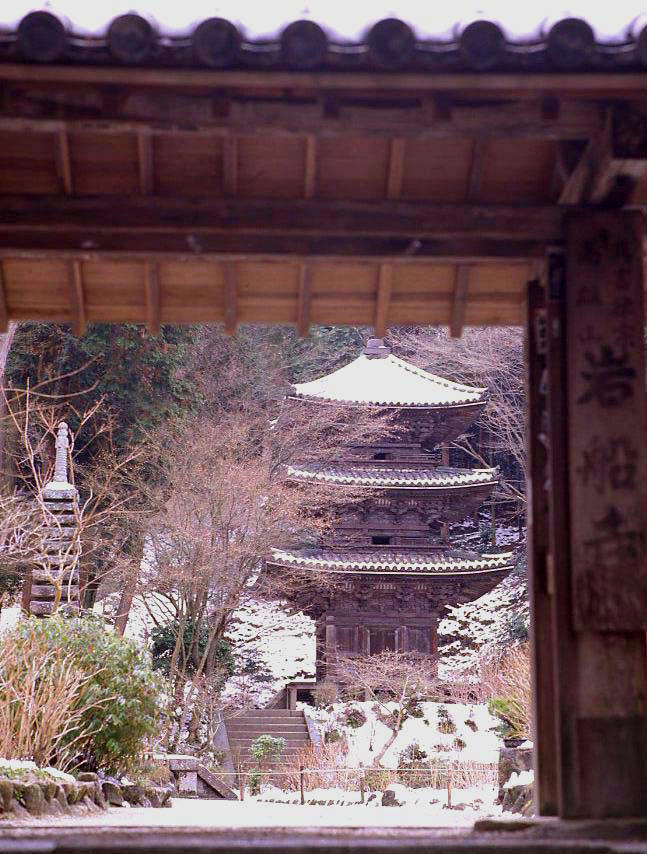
pixel 382 379
pixel 397 563
pixel 357 474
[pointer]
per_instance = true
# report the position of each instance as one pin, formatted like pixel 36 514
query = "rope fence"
pixel 436 775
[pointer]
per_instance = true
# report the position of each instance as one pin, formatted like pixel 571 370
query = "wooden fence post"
pixel 362 783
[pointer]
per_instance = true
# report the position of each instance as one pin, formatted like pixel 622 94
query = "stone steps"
pixel 244 729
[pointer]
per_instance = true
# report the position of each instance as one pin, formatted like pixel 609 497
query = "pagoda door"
pixel 381 640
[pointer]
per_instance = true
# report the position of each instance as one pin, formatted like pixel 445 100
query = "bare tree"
pixel 396 683
pixel 225 496
pixel 491 357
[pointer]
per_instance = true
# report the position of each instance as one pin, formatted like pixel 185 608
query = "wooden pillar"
pixel 597 498
pixel 320 640
pixel 544 721
pixel 330 651
pixel 402 638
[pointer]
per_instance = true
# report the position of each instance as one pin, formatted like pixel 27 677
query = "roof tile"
pixel 423 563
pixel 353 474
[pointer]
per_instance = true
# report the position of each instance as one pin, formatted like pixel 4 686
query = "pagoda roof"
pixel 361 474
pixel 388 381
pixel 449 562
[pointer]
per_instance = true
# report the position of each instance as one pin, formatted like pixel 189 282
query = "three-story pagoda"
pixel 392 554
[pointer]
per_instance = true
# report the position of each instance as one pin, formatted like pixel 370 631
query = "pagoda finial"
pixel 62 447
pixel 376 349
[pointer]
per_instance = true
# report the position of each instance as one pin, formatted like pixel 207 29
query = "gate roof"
pixel 312 172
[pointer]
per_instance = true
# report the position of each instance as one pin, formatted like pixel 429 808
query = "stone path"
pixel 252 814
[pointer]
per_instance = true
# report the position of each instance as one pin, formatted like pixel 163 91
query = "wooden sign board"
pixel 607 415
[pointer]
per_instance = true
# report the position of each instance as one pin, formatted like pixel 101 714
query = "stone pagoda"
pixel 54 578
pixel 393 550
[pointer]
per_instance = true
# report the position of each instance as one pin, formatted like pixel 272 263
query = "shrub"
pixel 377 779
pixel 266 748
pixel 332 735
pixel 459 744
pixel 471 723
pixel 254 781
pixel 353 717
pixel 413 707
pixel 445 723
pixel 118 694
pixel 413 766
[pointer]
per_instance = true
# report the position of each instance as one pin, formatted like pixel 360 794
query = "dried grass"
pixel 39 715
pixel 327 767
pixel 507 676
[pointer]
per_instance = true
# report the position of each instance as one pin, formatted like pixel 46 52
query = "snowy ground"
pixel 198 814
pixel 473 729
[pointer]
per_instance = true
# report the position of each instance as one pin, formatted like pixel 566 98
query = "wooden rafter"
pixel 459 302
pixel 304 300
pixel 383 299
pixel 145 162
pixel 63 162
pixel 230 293
pixel 395 174
pixel 230 165
pixel 4 311
pixel 153 299
pixel 77 297
pixel 310 167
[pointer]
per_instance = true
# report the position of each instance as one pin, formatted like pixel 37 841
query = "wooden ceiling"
pixel 177 196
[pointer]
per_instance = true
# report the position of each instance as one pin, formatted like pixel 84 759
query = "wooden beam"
pixel 150 245
pixel 392 115
pixel 153 299
pixel 230 288
pixel 230 165
pixel 615 178
pixel 459 302
pixel 573 191
pixel 63 162
pixel 395 172
pixel 145 162
pixel 304 300
pixel 477 166
pixel 77 298
pixel 609 167
pixel 310 174
pixel 585 84
pixel 203 216
pixel 4 311
pixel 383 299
